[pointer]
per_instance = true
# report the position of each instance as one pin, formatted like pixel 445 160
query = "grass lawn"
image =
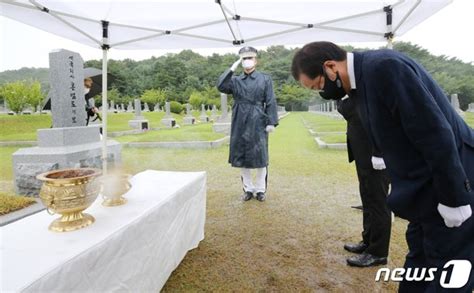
pixel 23 127
pixel 322 123
pixel 469 117
pixel 199 132
pixel 334 138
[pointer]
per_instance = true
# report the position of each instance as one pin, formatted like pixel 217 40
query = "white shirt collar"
pixel 350 70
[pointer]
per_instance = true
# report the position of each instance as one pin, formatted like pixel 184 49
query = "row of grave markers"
pixel 157 108
pixel 325 107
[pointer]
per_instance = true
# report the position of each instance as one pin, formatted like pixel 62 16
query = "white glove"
pixel 378 163
pixel 236 64
pixel 270 128
pixel 454 217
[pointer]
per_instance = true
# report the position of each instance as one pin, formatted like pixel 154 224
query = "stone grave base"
pixel 141 124
pixel 189 120
pixel 222 127
pixel 168 122
pixel 68 136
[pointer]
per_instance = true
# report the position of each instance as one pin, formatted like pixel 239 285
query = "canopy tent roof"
pixel 165 24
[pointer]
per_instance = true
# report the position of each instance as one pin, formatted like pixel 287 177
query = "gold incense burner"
pixel 68 192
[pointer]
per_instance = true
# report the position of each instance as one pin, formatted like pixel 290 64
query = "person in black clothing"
pixel 254 116
pixel 90 108
pixel 427 146
pixel 373 188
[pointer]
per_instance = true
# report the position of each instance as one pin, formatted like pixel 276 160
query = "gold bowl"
pixel 68 192
pixel 114 186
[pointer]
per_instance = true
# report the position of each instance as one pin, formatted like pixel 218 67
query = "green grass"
pixel 10 203
pixel 469 117
pixel 119 121
pixel 199 132
pixel 334 138
pixel 23 127
pixel 321 123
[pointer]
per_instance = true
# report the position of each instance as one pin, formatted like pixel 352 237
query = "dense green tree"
pixel 211 96
pixel 16 95
pixel 34 94
pixel 154 96
pixel 176 107
pixel 39 74
pixel 170 73
pixel 295 98
pixel 112 95
pixel 196 99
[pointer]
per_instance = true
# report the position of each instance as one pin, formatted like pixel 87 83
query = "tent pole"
pixel 105 48
pixel 235 42
pixel 104 111
pixel 389 35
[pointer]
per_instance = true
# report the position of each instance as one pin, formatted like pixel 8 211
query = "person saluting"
pixel 254 115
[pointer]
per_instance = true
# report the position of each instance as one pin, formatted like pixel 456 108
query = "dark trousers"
pixel 431 245
pixel 377 220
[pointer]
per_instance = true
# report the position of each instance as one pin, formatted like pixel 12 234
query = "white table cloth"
pixel 133 247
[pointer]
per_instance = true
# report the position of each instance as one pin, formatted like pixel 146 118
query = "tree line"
pixel 188 77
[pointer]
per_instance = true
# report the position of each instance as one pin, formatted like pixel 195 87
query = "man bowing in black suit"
pixel 373 189
pixel 427 147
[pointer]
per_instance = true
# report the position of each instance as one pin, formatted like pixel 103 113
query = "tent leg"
pixel 104 111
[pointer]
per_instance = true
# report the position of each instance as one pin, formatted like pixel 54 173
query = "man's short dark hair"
pixel 309 60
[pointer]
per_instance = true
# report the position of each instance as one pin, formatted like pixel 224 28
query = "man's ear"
pixel 330 64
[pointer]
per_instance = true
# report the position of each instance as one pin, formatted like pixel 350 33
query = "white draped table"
pixel 133 247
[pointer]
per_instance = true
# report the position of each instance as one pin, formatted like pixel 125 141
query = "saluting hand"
pixel 236 64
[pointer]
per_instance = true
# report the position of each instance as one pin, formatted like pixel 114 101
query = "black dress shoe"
pixel 356 248
pixel 366 260
pixel 247 196
pixel 261 196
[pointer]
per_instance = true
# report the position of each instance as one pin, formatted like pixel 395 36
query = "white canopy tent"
pixel 166 24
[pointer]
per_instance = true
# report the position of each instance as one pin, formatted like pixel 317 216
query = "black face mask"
pixel 332 90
